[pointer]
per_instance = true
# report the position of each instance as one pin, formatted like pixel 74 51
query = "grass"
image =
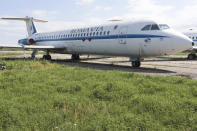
pixel 183 53
pixel 4 54
pixel 38 95
pixel 14 53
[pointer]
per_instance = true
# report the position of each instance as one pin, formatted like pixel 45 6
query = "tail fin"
pixel 31 29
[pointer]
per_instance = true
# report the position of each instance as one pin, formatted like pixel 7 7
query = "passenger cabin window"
pixel 115 27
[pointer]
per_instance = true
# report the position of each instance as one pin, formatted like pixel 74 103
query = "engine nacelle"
pixel 31 41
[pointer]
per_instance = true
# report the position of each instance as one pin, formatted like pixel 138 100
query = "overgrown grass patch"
pixel 38 95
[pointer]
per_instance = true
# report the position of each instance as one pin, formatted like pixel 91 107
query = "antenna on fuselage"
pixel 114 20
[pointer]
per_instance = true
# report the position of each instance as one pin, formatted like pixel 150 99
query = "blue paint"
pixel 105 37
pixel 33 28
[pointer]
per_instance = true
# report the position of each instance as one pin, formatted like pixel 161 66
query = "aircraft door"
pixel 151 46
pixel 123 35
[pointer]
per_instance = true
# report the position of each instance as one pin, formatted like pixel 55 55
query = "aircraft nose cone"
pixel 184 43
pixel 187 44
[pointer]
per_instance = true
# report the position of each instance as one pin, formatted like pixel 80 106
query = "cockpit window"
pixel 155 27
pixel 164 26
pixel 151 27
pixel 147 27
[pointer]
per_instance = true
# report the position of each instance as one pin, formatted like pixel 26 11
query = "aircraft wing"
pixel 42 47
pixel 10 46
pixel 31 46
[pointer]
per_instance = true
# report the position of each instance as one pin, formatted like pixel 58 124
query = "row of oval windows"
pixel 192 37
pixel 75 35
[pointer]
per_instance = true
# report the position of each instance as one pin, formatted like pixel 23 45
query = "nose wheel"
pixel 191 56
pixel 136 63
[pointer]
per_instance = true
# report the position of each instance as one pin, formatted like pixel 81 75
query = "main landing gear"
pixel 47 56
pixel 75 57
pixel 33 55
pixel 135 62
pixel 191 56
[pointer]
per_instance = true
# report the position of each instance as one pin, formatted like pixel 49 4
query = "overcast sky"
pixel 63 14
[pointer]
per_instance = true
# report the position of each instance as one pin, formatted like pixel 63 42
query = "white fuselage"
pixel 118 39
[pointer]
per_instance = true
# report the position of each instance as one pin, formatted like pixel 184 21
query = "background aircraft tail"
pixel 31 29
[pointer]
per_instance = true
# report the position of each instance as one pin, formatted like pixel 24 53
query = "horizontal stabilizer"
pixel 24 19
pixel 31 29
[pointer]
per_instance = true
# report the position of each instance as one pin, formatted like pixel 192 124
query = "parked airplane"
pixel 192 34
pixel 135 39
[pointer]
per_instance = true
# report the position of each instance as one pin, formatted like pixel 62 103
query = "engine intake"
pixel 31 41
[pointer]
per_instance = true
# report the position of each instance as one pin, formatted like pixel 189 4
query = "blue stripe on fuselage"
pixel 104 37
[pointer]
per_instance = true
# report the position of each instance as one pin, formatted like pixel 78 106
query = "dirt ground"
pixel 176 65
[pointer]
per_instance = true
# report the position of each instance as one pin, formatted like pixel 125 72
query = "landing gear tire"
pixel 191 56
pixel 47 57
pixel 75 57
pixel 136 64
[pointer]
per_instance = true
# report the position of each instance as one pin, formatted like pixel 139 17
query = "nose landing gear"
pixel 191 56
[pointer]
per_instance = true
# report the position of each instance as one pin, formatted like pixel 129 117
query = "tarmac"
pixel 174 65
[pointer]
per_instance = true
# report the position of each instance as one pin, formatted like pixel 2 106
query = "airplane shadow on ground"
pixel 100 66
pixel 169 59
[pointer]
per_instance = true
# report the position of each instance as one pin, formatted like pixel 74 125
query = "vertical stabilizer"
pixel 31 29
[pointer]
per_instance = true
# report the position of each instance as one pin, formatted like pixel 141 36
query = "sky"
pixel 66 14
